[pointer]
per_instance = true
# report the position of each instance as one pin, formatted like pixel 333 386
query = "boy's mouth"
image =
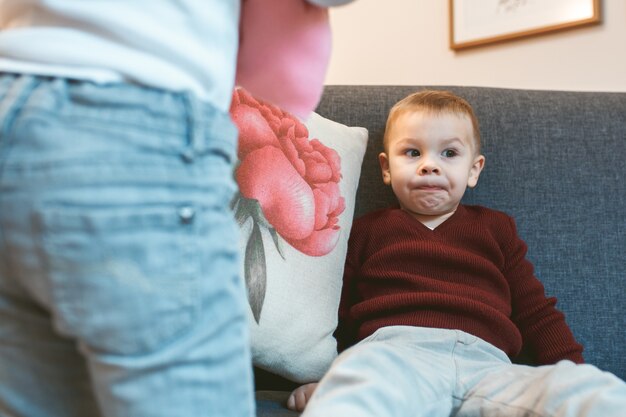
pixel 428 187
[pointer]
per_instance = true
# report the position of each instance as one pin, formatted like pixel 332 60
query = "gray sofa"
pixel 556 162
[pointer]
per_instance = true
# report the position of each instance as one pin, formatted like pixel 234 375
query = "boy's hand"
pixel 300 397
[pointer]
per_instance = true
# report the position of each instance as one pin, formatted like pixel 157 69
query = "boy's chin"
pixel 429 210
pixel 424 214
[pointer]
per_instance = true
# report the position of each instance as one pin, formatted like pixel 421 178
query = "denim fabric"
pixel 120 292
pixel 412 372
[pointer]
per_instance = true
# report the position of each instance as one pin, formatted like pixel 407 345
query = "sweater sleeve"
pixel 546 335
pixel 346 332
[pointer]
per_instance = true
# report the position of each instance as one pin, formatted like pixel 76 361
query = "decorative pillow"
pixel 297 188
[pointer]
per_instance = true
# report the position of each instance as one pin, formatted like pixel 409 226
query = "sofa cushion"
pixel 273 404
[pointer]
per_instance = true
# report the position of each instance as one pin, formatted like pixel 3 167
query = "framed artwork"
pixel 479 22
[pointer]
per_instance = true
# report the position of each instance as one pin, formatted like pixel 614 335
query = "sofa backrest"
pixel 555 161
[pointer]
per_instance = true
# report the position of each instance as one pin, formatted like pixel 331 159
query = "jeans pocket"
pixel 122 277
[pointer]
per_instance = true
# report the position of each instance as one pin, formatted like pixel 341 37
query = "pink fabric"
pixel 284 52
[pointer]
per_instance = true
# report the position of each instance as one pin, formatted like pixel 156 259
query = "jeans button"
pixel 186 214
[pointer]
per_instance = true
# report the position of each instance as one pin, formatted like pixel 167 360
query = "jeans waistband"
pixel 134 106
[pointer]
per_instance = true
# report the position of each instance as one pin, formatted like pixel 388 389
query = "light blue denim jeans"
pixel 405 371
pixel 120 292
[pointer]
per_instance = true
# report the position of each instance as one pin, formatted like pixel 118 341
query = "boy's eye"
pixel 413 153
pixel 449 153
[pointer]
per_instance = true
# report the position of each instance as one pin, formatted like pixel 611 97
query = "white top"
pixel 180 45
pixel 172 44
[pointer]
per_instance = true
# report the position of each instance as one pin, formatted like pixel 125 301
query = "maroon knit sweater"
pixel 470 274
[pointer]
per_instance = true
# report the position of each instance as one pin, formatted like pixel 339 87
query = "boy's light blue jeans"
pixel 419 372
pixel 120 292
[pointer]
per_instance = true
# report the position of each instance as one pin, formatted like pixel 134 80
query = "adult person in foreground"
pixel 120 292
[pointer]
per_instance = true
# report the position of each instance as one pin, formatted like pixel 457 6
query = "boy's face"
pixel 429 162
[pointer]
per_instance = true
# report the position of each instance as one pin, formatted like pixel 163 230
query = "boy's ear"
pixel 384 167
pixel 475 170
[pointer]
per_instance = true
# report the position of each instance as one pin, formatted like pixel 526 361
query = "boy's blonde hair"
pixel 437 102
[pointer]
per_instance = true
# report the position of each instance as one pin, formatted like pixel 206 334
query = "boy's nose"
pixel 428 169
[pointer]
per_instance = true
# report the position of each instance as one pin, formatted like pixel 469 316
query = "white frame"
pixel 479 22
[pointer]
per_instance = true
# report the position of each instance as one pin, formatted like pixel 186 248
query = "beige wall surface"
pixel 406 42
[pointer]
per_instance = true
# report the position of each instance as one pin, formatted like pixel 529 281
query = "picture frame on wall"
pixel 479 22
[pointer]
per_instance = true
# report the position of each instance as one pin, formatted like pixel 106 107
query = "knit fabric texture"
pixel 470 274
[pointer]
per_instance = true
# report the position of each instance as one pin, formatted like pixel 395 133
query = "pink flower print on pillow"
pixel 288 184
pixel 294 179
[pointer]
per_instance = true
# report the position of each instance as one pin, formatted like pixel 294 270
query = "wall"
pixel 406 42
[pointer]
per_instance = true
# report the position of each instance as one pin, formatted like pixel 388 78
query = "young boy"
pixel 439 295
